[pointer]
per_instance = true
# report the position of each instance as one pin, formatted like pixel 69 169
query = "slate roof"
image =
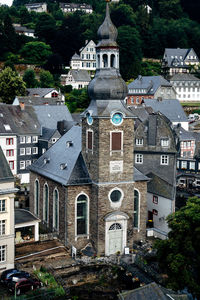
pixel 49 115
pixel 19 121
pixel 141 112
pixel 31 100
pixel 47 133
pixel 171 108
pixel 52 163
pixel 152 291
pixel 177 56
pixel 5 172
pixel 160 187
pixel 76 57
pixel 185 135
pixel 184 77
pixel 24 216
pixel 80 75
pixel 139 176
pixel 23 29
pixel 149 83
pixel 39 91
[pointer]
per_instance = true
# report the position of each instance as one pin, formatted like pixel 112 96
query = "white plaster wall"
pixel 10 147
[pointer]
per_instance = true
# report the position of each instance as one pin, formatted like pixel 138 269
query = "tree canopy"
pixel 179 255
pixel 36 52
pixel 11 85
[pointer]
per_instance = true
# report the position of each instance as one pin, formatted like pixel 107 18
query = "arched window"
pixel 105 60
pixel 36 197
pixel 115 226
pixel 136 209
pixel 56 209
pixel 112 61
pixel 82 214
pixel 45 202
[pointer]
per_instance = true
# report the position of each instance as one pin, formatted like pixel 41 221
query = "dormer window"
pixel 139 142
pixel 165 142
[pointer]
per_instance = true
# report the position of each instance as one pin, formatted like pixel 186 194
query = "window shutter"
pixel 90 141
pixel 116 141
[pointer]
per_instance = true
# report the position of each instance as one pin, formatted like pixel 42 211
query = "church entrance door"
pixel 115 238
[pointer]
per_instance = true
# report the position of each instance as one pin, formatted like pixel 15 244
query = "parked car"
pixel 6 275
pixel 23 285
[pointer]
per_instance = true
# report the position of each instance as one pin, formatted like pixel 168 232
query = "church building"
pixel 85 188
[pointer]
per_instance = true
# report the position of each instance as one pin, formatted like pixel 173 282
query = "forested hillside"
pixel 172 23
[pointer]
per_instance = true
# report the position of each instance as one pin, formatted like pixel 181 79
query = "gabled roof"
pixel 160 187
pixel 41 92
pixel 171 108
pixel 31 100
pixel 80 75
pixel 63 163
pixel 149 83
pixel 87 44
pixel 139 176
pixel 47 133
pixel 18 121
pixel 24 216
pixel 185 135
pixel 5 172
pixel 23 29
pixel 49 115
pixel 184 77
pixel 76 57
pixel 175 57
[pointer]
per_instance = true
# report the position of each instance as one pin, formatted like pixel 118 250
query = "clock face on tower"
pixel 89 119
pixel 117 118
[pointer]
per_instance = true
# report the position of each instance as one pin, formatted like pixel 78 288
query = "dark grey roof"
pixel 139 176
pixel 39 91
pixel 64 164
pixel 185 135
pixel 176 57
pixel 149 83
pixel 24 216
pixel 23 29
pixel 77 118
pixel 47 133
pixel 184 77
pixel 171 108
pixel 152 291
pixel 80 75
pixel 141 112
pixel 49 115
pixel 75 5
pixel 5 172
pixel 19 121
pixel 159 186
pixel 31 100
pixel 76 56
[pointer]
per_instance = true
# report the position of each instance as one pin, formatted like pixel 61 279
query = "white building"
pixel 72 7
pixel 87 58
pixel 187 87
pixel 7 233
pixel 8 143
pixel 78 79
pixel 37 7
pixel 22 30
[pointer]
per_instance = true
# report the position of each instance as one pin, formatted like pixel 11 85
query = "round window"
pixel 115 196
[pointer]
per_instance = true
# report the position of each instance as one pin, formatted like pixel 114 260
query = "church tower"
pixel 107 148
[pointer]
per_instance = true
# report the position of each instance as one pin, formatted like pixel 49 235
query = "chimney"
pixel 22 105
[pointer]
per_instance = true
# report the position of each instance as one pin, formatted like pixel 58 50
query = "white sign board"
pixel 116 166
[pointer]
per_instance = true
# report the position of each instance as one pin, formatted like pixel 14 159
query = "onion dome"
pixel 107 32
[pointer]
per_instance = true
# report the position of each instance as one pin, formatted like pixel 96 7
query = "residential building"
pixel 72 7
pixel 149 87
pixel 7 235
pixel 187 87
pixel 22 30
pixel 45 93
pixel 155 153
pixel 172 109
pixel 37 7
pixel 78 79
pixel 86 60
pixel 85 187
pixel 32 100
pixel 47 139
pixel 179 61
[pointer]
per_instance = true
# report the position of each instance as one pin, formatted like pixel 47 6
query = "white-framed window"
pixel 35 139
pixel 28 163
pixel 139 142
pixel 28 151
pixel 184 164
pixel 9 141
pixel 177 164
pixel 35 150
pixel 43 150
pixel 11 164
pixel 192 165
pixel 139 158
pixel 22 139
pixel 2 227
pixel 28 139
pixel 116 141
pixel 82 215
pixel 22 164
pixel 155 199
pixel 22 151
pixel 136 212
pixel 10 152
pixel 46 203
pixel 165 142
pixel 164 160
pixel 2 205
pixel 36 197
pixel 89 140
pixel 198 166
pixel 3 253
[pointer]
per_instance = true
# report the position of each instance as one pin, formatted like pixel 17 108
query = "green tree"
pixel 11 85
pixel 46 79
pixel 36 52
pixel 179 255
pixel 130 51
pixel 77 99
pixel 29 79
pixel 170 9
pixel 45 28
pixel 123 14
